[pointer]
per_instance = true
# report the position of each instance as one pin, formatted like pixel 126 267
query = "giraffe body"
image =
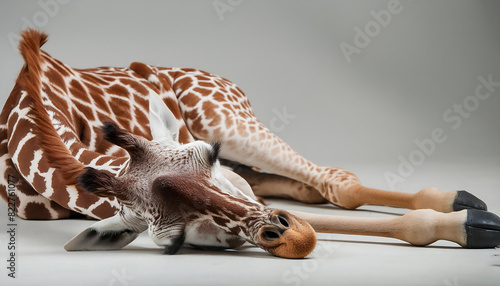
pixel 47 143
pixel 77 116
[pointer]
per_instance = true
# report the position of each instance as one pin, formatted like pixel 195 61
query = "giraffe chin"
pixel 289 237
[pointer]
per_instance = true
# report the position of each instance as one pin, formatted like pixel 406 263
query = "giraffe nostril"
pixel 270 235
pixel 283 221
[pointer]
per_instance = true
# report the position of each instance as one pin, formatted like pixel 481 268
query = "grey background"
pixel 286 53
pixel 360 115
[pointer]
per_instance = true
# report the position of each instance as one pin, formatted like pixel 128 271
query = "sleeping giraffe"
pixel 128 146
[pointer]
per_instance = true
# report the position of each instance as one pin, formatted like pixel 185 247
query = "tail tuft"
pixel 30 44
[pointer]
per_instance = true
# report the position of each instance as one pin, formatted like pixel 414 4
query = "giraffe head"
pixel 180 194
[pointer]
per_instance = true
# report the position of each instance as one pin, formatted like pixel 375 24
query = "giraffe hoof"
pixel 482 229
pixel 466 200
pixel 172 249
pixel 173 245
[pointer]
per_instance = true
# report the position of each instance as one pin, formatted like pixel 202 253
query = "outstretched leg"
pixel 469 228
pixel 295 177
pixel 216 109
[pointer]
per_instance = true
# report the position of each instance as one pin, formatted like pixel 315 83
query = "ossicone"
pixel 100 183
pixel 123 138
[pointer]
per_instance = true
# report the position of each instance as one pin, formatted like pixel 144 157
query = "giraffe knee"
pixel 342 195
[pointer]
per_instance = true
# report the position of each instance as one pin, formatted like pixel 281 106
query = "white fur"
pixel 163 124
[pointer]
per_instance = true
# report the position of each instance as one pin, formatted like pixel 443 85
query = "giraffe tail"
pixel 57 153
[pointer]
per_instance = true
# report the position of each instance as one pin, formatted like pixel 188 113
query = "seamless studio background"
pixel 290 59
pixel 381 88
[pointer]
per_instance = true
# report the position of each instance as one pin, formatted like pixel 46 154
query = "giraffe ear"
pixel 162 122
pixel 109 234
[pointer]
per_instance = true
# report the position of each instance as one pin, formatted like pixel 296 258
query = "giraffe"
pixel 74 103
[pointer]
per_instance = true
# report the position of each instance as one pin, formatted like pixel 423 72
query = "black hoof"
pixel 482 229
pixel 176 244
pixel 172 249
pixel 466 200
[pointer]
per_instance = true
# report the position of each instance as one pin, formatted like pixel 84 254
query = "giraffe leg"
pixel 469 228
pixel 271 185
pixel 248 142
pixel 27 203
pixel 336 185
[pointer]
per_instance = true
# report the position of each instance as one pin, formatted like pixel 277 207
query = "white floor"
pixel 337 260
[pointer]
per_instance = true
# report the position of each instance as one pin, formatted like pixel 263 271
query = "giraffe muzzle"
pixel 287 236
